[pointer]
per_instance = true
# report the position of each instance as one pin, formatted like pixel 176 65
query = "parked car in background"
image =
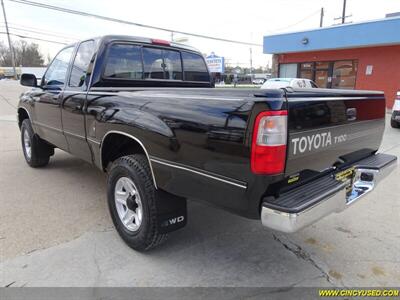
pixel 276 83
pixel 395 122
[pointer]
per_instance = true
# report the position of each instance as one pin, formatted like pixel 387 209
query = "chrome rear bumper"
pixel 368 174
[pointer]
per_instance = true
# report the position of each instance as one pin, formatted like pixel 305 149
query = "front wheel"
pixel 394 124
pixel 36 151
pixel 132 202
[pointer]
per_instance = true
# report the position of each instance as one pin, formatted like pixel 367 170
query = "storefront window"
pixel 321 78
pixel 307 66
pixel 288 70
pixel 326 74
pixel 344 74
pixel 322 65
pixel 307 70
pixel 308 74
pixel 322 74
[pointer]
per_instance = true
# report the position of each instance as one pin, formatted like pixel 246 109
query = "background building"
pixel 350 56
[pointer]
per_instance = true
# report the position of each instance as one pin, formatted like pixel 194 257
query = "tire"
pixel 36 151
pixel 127 175
pixel 394 124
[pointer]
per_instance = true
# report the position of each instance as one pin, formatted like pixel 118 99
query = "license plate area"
pixel 347 176
pixel 357 182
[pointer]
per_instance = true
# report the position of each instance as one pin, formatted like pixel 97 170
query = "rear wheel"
pixel 394 124
pixel 132 202
pixel 36 151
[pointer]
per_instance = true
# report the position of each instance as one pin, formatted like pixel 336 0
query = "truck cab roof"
pixel 145 40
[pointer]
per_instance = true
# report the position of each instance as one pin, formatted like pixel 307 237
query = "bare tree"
pixel 26 54
pixel 3 53
pixel 48 60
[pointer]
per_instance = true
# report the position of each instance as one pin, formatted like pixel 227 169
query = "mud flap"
pixel 172 212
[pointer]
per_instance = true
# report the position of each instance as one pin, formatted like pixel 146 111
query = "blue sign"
pixel 216 64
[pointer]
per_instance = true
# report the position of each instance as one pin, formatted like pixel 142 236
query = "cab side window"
pixel 57 71
pixel 79 72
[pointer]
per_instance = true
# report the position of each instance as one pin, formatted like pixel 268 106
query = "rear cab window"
pixel 195 68
pixel 124 61
pixel 162 64
pixel 141 62
pixel 172 65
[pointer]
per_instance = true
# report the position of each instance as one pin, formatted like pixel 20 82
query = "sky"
pixel 231 19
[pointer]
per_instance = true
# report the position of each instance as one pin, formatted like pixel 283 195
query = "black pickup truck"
pixel 145 112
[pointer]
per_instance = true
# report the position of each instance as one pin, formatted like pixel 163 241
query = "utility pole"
pixel 321 19
pixel 344 12
pixel 343 18
pixel 9 40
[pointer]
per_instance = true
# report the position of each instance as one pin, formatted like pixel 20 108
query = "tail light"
pixel 268 149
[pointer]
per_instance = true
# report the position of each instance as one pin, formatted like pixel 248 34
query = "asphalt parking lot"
pixel 56 231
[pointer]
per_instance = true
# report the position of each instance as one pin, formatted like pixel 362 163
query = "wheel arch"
pixel 126 144
pixel 23 114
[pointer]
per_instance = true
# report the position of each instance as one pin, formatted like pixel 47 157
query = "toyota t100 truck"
pixel 145 112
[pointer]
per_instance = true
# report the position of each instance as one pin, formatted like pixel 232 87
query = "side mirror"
pixel 28 80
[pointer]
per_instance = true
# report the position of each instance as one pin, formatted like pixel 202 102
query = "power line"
pixel 33 38
pixel 289 26
pixel 45 30
pixel 86 14
pixel 37 32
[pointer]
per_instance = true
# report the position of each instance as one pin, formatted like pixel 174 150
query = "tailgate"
pixel 332 127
